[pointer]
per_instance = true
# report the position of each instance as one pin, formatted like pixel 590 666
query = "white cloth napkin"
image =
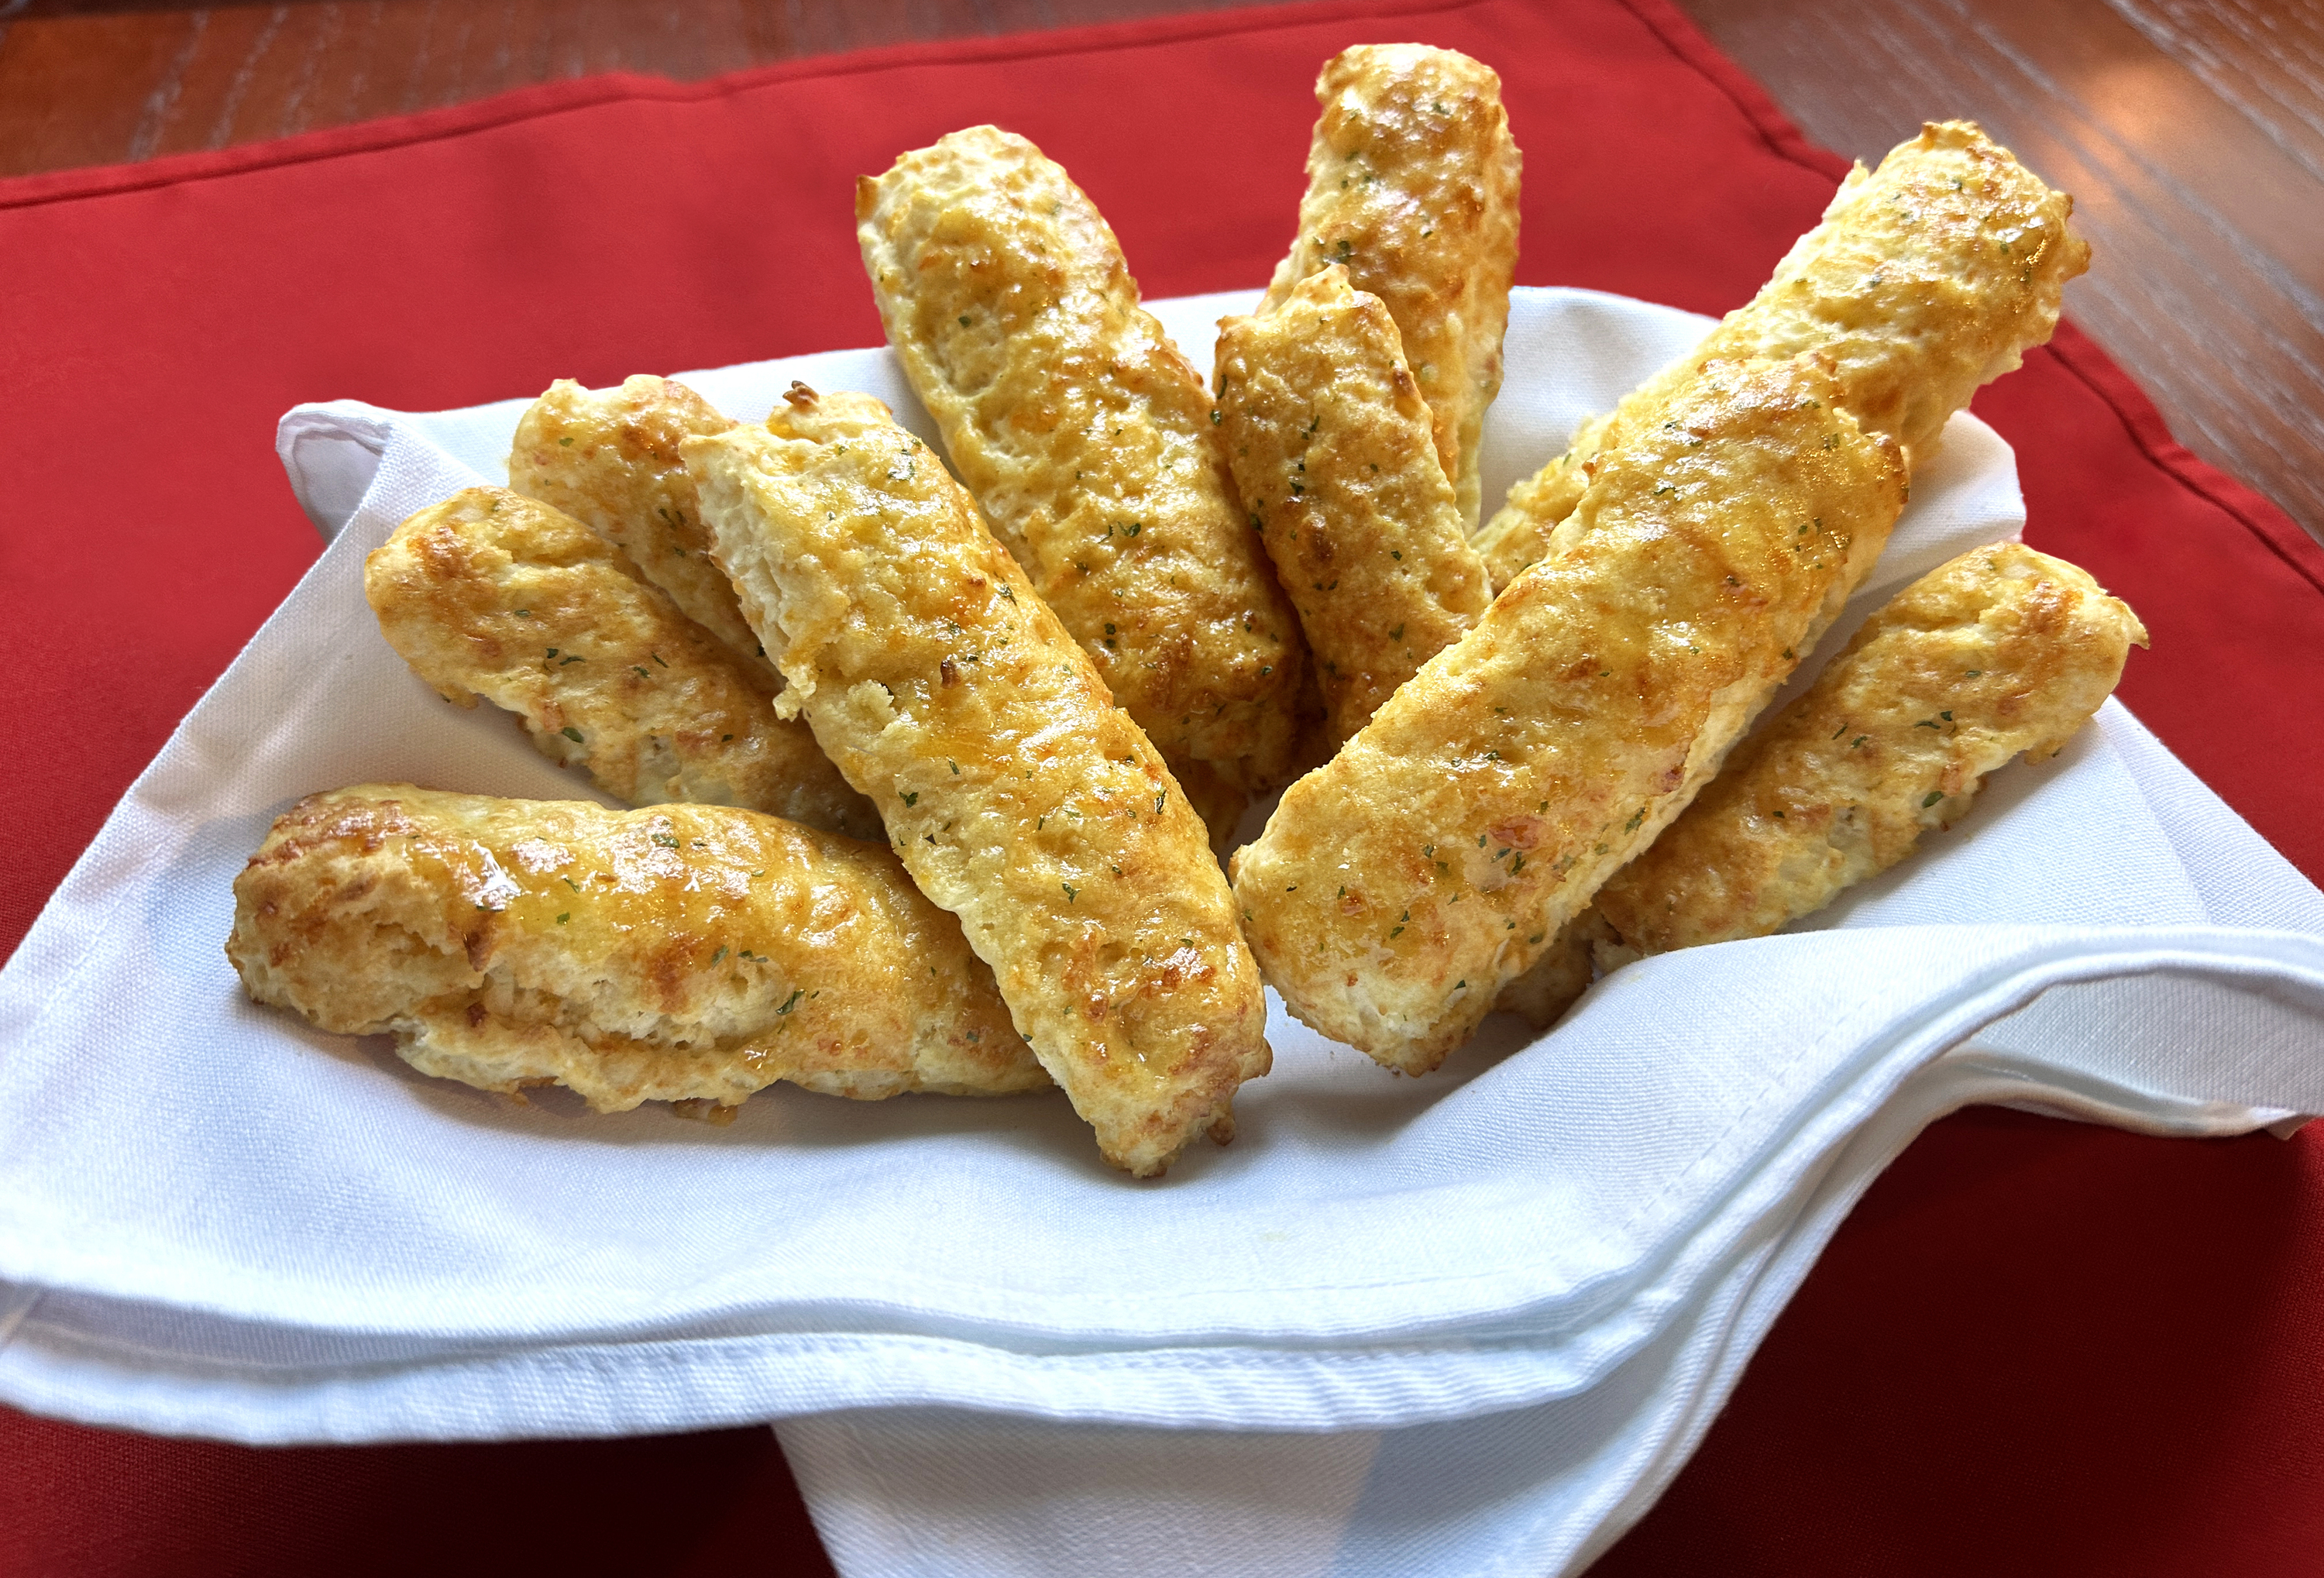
pixel 1514 1291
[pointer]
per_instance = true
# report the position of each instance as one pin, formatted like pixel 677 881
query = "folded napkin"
pixel 1547 1262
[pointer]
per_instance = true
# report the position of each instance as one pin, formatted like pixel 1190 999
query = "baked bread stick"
pixel 678 953
pixel 1086 437
pixel 1926 278
pixel 1329 442
pixel 1398 888
pixel 608 457
pixel 1412 186
pixel 493 594
pixel 2001 652
pixel 1019 797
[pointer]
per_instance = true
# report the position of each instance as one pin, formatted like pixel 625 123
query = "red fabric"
pixel 2036 1347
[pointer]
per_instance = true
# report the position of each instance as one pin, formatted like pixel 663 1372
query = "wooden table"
pixel 2190 131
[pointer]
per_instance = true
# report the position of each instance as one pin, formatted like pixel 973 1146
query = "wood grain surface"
pixel 2190 131
pixel 2192 135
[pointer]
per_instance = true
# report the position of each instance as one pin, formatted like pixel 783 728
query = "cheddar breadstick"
pixel 1019 797
pixel 2002 651
pixel 493 594
pixel 684 953
pixel 1329 442
pixel 1400 885
pixel 1086 437
pixel 1412 185
pixel 1926 279
pixel 608 457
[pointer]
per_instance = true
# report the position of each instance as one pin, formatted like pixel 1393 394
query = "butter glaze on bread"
pixel 492 594
pixel 1086 437
pixel 1398 888
pixel 1019 797
pixel 682 952
pixel 1412 186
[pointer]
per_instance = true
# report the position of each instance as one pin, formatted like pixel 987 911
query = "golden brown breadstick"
pixel 491 593
pixel 2002 651
pixel 1399 887
pixel 682 952
pixel 1925 280
pixel 1329 442
pixel 1412 185
pixel 1520 529
pixel 1020 797
pixel 1086 437
pixel 608 457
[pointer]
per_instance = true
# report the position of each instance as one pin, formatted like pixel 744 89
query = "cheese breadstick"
pixel 1412 186
pixel 1927 278
pixel 2002 651
pixel 1399 887
pixel 1019 797
pixel 680 953
pixel 1329 442
pixel 1086 437
pixel 493 594
pixel 608 457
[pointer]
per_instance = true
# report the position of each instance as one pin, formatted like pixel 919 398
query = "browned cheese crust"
pixel 493 594
pixel 1926 279
pixel 608 457
pixel 1399 886
pixel 1412 185
pixel 1086 437
pixel 2002 651
pixel 1329 441
pixel 1020 797
pixel 682 952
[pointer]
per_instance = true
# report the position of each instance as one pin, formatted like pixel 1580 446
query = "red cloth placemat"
pixel 2036 1346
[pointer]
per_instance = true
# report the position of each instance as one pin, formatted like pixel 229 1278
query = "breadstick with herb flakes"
pixel 1019 797
pixel 1398 888
pixel 687 954
pixel 2001 652
pixel 1412 186
pixel 493 594
pixel 1330 445
pixel 1086 437
pixel 1925 279
pixel 608 457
